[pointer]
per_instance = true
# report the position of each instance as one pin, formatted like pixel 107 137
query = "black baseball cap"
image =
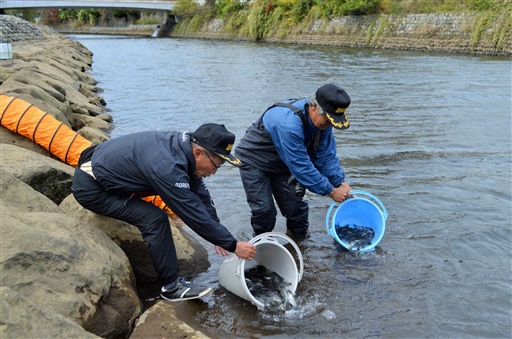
pixel 334 102
pixel 217 139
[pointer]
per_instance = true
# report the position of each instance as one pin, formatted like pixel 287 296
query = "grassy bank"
pixel 264 20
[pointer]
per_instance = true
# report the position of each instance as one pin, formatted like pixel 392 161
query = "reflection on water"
pixel 430 136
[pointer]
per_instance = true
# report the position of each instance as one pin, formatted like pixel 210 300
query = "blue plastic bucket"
pixel 358 211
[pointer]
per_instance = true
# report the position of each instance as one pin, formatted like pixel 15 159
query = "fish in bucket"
pixel 358 223
pixel 273 261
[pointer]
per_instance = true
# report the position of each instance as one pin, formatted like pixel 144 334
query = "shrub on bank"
pixel 264 19
pixel 299 9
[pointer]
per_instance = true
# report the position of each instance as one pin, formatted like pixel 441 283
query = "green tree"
pixel 186 8
pixel 359 7
pixel 88 16
pixel 67 14
pixel 301 9
pixel 224 8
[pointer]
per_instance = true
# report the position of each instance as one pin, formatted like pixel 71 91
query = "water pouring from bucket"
pixel 357 223
pixel 273 257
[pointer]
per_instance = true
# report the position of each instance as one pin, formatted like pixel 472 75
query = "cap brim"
pixel 231 159
pixel 338 121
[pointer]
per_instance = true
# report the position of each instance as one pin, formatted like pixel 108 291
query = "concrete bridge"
pixel 148 5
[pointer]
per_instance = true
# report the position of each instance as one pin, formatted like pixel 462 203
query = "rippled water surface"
pixel 430 136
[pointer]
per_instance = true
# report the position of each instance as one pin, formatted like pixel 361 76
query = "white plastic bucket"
pixel 358 211
pixel 269 253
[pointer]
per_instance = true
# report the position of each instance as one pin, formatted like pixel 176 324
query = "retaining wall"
pixel 454 33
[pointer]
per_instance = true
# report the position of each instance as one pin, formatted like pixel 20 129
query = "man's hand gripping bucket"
pixel 269 253
pixel 358 212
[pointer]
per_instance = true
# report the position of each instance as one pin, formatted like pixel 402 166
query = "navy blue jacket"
pixel 278 143
pixel 161 163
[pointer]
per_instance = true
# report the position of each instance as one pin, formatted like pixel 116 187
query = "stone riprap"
pixel 66 272
pixel 13 29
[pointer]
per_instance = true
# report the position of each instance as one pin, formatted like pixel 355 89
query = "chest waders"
pixel 311 146
pixel 267 180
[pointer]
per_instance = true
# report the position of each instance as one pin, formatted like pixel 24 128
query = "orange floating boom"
pixel 27 120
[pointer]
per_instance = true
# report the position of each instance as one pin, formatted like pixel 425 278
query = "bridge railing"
pixel 157 5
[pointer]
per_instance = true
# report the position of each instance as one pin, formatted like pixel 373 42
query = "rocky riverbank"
pixel 67 272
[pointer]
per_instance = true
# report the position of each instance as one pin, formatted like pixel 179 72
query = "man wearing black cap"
pixel 291 148
pixel 111 178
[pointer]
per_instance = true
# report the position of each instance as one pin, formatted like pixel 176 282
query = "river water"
pixel 430 136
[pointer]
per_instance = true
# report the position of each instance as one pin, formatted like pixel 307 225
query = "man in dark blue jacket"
pixel 111 178
pixel 291 148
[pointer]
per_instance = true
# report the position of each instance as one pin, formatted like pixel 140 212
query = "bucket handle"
pixel 361 192
pixel 270 236
pixel 328 216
